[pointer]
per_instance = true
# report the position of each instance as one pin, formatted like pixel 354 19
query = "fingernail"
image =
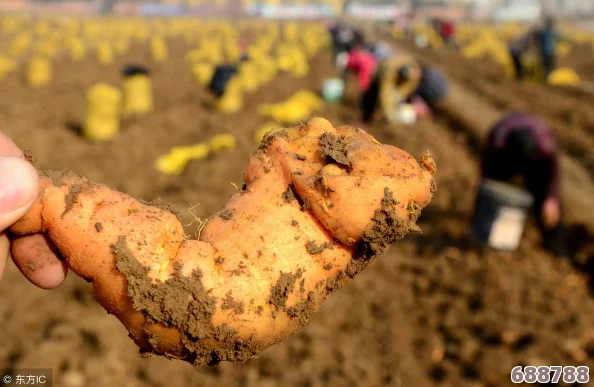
pixel 18 183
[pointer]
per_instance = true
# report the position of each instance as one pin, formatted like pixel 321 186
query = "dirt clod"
pixel 161 205
pixel 168 303
pixel 71 197
pixel 334 148
pixel 283 287
pixel 313 249
pixel 385 228
pixel 225 214
pixel 288 195
pixel 230 303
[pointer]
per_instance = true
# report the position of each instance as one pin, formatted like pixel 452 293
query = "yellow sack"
pixel 233 52
pixel 20 44
pixel 309 99
pixel 105 54
pixel 284 63
pixel 248 79
pixel 38 72
pixel 102 112
pixel 230 102
pixel 288 112
pixel 174 162
pixel 222 142
pixel 564 76
pixel 199 151
pixel 138 95
pixel 177 159
pixel 158 49
pixel 301 67
pixel 203 73
pixel 77 50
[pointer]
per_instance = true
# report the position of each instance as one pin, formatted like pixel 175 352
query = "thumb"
pixel 19 186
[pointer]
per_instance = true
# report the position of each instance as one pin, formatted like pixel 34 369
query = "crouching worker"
pixel 404 80
pixel 522 147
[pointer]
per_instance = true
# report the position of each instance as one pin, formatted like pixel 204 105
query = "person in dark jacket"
pixel 344 37
pixel 522 146
pixel 548 37
pixel 518 48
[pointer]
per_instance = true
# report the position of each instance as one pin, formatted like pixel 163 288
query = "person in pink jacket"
pixel 363 63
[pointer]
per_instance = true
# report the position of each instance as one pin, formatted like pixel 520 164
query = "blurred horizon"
pixel 479 10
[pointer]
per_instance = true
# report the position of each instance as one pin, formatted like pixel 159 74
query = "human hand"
pixel 19 187
pixel 551 213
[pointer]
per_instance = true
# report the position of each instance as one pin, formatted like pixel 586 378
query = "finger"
pixel 37 258
pixel 8 148
pixel 4 246
pixel 19 187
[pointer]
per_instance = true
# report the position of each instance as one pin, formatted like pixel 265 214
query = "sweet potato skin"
pixel 320 203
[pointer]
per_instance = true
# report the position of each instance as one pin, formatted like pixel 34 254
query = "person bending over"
pixel 521 149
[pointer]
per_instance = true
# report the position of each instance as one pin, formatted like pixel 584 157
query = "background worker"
pixel 223 74
pixel 447 31
pixel 547 38
pixel 521 149
pixel 344 36
pixel 392 81
pixel 404 80
pixel 518 48
pixel 364 64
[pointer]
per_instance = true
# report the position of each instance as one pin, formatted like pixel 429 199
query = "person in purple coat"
pixel 522 147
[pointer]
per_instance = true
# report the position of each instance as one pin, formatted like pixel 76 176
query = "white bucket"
pixel 407 114
pixel 332 90
pixel 507 229
pixel 500 215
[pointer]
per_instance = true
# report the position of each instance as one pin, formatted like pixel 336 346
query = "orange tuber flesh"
pixel 319 204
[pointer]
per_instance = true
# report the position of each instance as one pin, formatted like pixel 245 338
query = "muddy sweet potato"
pixel 319 204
